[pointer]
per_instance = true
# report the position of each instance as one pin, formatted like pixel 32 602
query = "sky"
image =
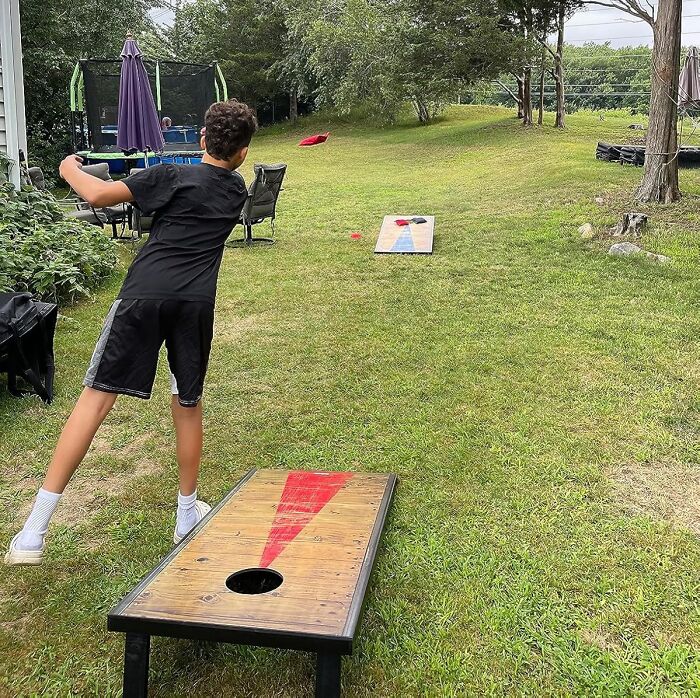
pixel 601 24
pixel 593 24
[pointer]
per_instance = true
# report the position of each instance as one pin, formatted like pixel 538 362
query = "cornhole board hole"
pixel 415 238
pixel 283 560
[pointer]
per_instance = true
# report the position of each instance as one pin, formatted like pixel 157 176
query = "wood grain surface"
pixel 313 528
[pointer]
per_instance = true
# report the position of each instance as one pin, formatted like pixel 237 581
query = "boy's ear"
pixel 203 142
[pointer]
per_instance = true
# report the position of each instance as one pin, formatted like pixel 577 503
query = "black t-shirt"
pixel 194 209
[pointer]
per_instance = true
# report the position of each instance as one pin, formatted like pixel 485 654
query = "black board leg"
pixel 136 650
pixel 328 675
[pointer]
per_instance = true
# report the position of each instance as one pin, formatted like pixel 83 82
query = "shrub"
pixel 43 252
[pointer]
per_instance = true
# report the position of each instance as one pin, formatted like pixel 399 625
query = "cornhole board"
pixel 415 238
pixel 317 533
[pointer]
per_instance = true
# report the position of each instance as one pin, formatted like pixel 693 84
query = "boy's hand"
pixel 69 164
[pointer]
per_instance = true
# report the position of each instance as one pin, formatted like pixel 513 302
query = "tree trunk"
pixel 660 181
pixel 559 69
pixel 293 106
pixel 422 109
pixel 520 97
pixel 527 96
pixel 540 108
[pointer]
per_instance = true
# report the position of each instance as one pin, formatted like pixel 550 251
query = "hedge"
pixel 41 251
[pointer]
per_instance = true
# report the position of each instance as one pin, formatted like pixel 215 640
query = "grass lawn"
pixel 538 399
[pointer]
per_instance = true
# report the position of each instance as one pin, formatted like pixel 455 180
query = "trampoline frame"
pixel 80 133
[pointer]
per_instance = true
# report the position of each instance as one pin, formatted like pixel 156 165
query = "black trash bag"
pixel 27 330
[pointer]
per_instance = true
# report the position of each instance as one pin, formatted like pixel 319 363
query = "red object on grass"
pixel 355 236
pixel 315 140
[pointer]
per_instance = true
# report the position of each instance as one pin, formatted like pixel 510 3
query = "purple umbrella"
pixel 138 127
pixel 689 84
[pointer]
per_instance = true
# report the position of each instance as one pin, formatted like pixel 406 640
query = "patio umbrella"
pixel 689 84
pixel 138 127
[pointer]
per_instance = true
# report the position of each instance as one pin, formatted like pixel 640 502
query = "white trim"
pixel 13 86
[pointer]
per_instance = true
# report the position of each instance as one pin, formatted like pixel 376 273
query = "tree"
pixel 356 51
pixel 660 180
pixel 533 21
pixel 381 53
pixel 563 10
pixel 244 36
pixel 459 42
pixel 529 20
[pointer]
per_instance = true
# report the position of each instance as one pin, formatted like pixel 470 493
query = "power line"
pixel 585 94
pixel 619 21
pixel 617 38
pixel 606 70
pixel 605 58
pixel 550 86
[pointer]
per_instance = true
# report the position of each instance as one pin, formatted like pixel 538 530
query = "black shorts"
pixel 126 356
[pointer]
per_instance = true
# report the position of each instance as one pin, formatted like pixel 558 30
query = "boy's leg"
pixel 88 414
pixel 77 435
pixel 188 428
pixel 124 361
pixel 188 340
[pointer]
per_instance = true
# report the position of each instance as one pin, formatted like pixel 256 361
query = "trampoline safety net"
pixel 186 91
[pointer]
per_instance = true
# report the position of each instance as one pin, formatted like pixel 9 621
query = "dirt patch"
pixel 598 638
pixel 88 487
pixel 664 491
pixel 231 328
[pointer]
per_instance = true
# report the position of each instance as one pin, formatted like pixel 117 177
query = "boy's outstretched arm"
pixel 95 191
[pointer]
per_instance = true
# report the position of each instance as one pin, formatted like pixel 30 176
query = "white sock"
pixel 186 513
pixel 36 526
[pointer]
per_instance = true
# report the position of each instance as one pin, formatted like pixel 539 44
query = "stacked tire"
pixel 634 155
pixel 607 152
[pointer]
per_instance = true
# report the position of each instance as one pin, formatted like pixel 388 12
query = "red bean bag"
pixel 315 140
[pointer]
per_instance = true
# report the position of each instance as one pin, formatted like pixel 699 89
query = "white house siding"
pixel 3 135
pixel 13 134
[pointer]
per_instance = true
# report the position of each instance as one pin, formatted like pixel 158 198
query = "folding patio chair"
pixel 111 215
pixel 262 202
pixel 139 222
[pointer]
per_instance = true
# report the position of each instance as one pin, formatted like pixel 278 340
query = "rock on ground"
pixel 586 231
pixel 624 248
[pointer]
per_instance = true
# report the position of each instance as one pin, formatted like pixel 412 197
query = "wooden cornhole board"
pixel 318 531
pixel 415 238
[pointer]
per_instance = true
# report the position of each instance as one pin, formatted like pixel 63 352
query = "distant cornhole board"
pixel 410 238
pixel 283 561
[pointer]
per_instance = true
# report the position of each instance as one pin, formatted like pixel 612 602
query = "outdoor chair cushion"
pixel 99 170
pixel 36 177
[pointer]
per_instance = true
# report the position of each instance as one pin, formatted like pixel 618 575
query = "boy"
pixel 167 296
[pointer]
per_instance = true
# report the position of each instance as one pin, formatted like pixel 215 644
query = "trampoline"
pixel 182 91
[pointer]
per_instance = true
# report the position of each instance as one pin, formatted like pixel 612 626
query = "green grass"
pixel 506 379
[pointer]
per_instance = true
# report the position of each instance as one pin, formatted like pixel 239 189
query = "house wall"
pixel 13 133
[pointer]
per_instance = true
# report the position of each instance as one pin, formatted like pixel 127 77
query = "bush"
pixel 56 258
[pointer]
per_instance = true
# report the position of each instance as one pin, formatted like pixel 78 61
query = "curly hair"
pixel 229 127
